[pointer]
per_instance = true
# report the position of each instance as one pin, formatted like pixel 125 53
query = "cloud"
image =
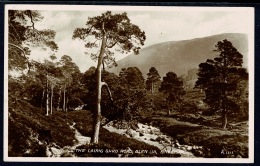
pixel 159 26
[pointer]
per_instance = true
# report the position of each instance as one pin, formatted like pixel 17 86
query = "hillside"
pixel 180 56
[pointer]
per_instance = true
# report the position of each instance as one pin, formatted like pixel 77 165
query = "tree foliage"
pixel 115 31
pixel 153 80
pixel 121 35
pixel 22 34
pixel 220 78
pixel 172 87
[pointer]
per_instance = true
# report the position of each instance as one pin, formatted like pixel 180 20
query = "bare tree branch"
pixel 30 15
pixel 15 31
pixel 108 90
pixel 20 48
pixel 13 36
pixel 112 45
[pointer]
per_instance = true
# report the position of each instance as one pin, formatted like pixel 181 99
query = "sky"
pixel 160 24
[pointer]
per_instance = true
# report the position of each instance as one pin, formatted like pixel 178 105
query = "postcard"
pixel 105 83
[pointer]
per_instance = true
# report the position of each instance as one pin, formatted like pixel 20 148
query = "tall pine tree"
pixel 220 79
pixel 116 33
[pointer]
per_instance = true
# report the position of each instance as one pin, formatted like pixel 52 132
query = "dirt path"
pixel 54 150
pixel 153 136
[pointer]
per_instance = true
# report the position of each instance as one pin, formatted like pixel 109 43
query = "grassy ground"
pixel 28 126
pixel 204 131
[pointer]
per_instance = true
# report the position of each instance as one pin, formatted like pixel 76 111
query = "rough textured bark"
pixel 97 119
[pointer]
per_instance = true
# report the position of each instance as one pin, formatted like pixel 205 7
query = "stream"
pixel 153 136
pixel 144 133
pixel 54 150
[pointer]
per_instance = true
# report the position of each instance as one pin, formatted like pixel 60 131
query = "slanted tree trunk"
pixel 108 91
pixel 51 96
pixel 47 98
pixel 97 119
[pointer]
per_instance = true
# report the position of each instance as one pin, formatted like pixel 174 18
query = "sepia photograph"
pixel 93 83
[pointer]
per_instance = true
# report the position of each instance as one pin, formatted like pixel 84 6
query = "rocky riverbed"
pixel 153 136
pixel 141 132
pixel 53 150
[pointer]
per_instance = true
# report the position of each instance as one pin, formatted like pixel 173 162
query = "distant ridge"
pixel 181 56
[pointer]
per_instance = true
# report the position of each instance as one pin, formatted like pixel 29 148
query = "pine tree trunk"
pixel 43 93
pixel 64 98
pixel 67 100
pixel 169 108
pixel 51 96
pixel 47 98
pixel 97 117
pixel 152 88
pixel 224 119
pixel 58 107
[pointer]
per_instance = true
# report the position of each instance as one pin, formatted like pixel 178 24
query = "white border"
pixel 251 68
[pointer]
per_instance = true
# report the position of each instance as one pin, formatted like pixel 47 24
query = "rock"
pixel 231 156
pixel 131 133
pixel 189 148
pixel 48 152
pixel 134 126
pixel 139 125
pixel 141 134
pixel 56 152
pixel 163 138
pixel 238 156
pixel 167 140
pixel 195 147
pixel 198 153
pixel 152 139
pixel 66 154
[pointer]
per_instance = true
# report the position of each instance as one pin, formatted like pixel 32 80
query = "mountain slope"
pixel 180 56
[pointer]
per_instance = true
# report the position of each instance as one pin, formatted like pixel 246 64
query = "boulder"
pixel 198 153
pixel 152 139
pixel 56 152
pixel 131 133
pixel 163 138
pixel 141 134
pixel 189 148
